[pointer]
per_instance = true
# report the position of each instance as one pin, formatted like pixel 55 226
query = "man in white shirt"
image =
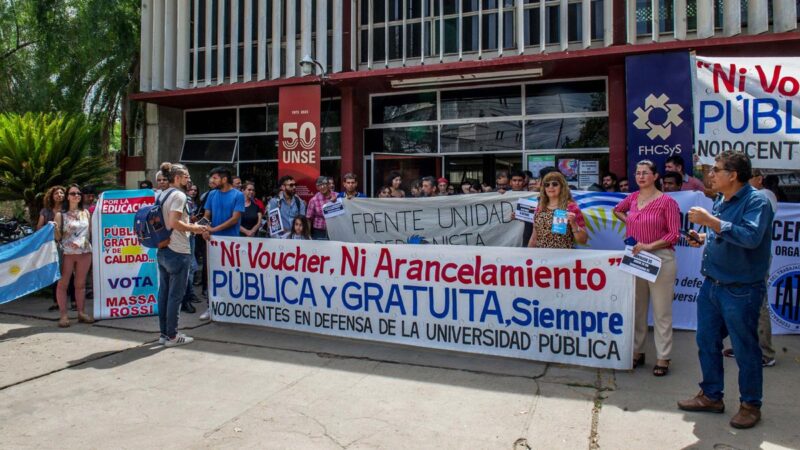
pixel 174 260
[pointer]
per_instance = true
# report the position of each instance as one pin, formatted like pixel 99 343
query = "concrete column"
pixel 182 48
pixel 322 34
pixel 170 43
pixel 157 72
pixel 234 70
pixel 306 7
pixel 146 47
pixel 291 39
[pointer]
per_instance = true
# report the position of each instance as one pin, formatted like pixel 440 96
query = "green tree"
pixel 41 150
pixel 72 56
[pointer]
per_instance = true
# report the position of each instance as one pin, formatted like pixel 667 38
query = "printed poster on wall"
pixel 749 105
pixel 124 273
pixel 299 136
pixel 659 110
pixel 564 306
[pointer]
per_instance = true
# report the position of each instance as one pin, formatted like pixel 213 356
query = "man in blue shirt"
pixel 350 183
pixel 224 206
pixel 288 203
pixel 735 264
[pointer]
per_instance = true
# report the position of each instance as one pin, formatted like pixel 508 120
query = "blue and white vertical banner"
pixel 564 306
pixel 125 274
pixel 749 105
pixel 659 109
pixel 783 284
pixel 28 264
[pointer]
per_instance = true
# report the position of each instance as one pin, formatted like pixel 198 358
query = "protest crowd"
pixel 735 262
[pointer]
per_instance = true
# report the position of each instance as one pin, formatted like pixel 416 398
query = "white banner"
pixel 564 306
pixel 475 219
pixel 750 105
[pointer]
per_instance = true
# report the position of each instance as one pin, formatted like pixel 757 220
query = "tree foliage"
pixel 46 149
pixel 73 56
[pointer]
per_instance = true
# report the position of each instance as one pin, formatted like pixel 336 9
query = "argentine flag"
pixel 28 264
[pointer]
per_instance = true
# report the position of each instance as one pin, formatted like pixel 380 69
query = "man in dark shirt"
pixel 735 264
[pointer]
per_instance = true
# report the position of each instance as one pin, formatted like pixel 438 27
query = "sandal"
pixel 638 360
pixel 660 371
pixel 63 322
pixel 83 318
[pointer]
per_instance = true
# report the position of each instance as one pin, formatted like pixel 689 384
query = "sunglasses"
pixel 552 184
pixel 74 193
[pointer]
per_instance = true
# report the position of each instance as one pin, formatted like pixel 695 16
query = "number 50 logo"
pixel 305 136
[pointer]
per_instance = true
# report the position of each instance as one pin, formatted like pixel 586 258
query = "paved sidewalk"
pixel 109 385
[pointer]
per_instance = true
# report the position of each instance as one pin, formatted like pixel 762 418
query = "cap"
pixel 442 180
pixel 322 180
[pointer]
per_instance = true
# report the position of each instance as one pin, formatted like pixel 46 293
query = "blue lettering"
pixel 772 113
pixel 705 118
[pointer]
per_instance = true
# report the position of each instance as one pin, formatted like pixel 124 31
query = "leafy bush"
pixel 41 150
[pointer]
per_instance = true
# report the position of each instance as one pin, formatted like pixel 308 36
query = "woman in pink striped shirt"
pixel 653 219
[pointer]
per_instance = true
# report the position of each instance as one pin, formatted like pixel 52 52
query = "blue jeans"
pixel 733 310
pixel 173 271
pixel 189 295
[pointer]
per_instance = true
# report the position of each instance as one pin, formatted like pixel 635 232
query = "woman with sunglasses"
pixel 653 220
pixel 74 232
pixel 555 199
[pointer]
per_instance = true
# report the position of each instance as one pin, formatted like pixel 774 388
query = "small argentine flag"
pixel 28 264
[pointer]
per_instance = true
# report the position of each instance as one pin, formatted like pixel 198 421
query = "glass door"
pixel 410 167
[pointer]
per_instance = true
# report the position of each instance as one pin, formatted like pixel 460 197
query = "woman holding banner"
pixel 73 231
pixel 558 222
pixel 653 220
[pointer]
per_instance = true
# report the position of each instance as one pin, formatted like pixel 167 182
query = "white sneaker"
pixel 206 315
pixel 162 340
pixel 180 339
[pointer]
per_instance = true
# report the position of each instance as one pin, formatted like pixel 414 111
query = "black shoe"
pixel 187 308
pixel 73 307
pixel 195 299
pixel 53 308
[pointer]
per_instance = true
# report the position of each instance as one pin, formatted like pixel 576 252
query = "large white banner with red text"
pixel 565 306
pixel 125 274
pixel 750 105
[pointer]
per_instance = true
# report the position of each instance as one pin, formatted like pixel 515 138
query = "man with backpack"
pixel 174 259
pixel 223 207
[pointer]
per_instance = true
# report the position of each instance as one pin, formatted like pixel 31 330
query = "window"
pixel 208 150
pixel 580 96
pixel 404 108
pixel 258 148
pixel 591 132
pixel 212 138
pixel 555 115
pixel 211 121
pixel 464 28
pixel 482 137
pixel 401 140
pixel 478 103
pixel 253 120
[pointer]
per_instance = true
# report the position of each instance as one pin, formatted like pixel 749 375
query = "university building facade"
pixel 460 89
